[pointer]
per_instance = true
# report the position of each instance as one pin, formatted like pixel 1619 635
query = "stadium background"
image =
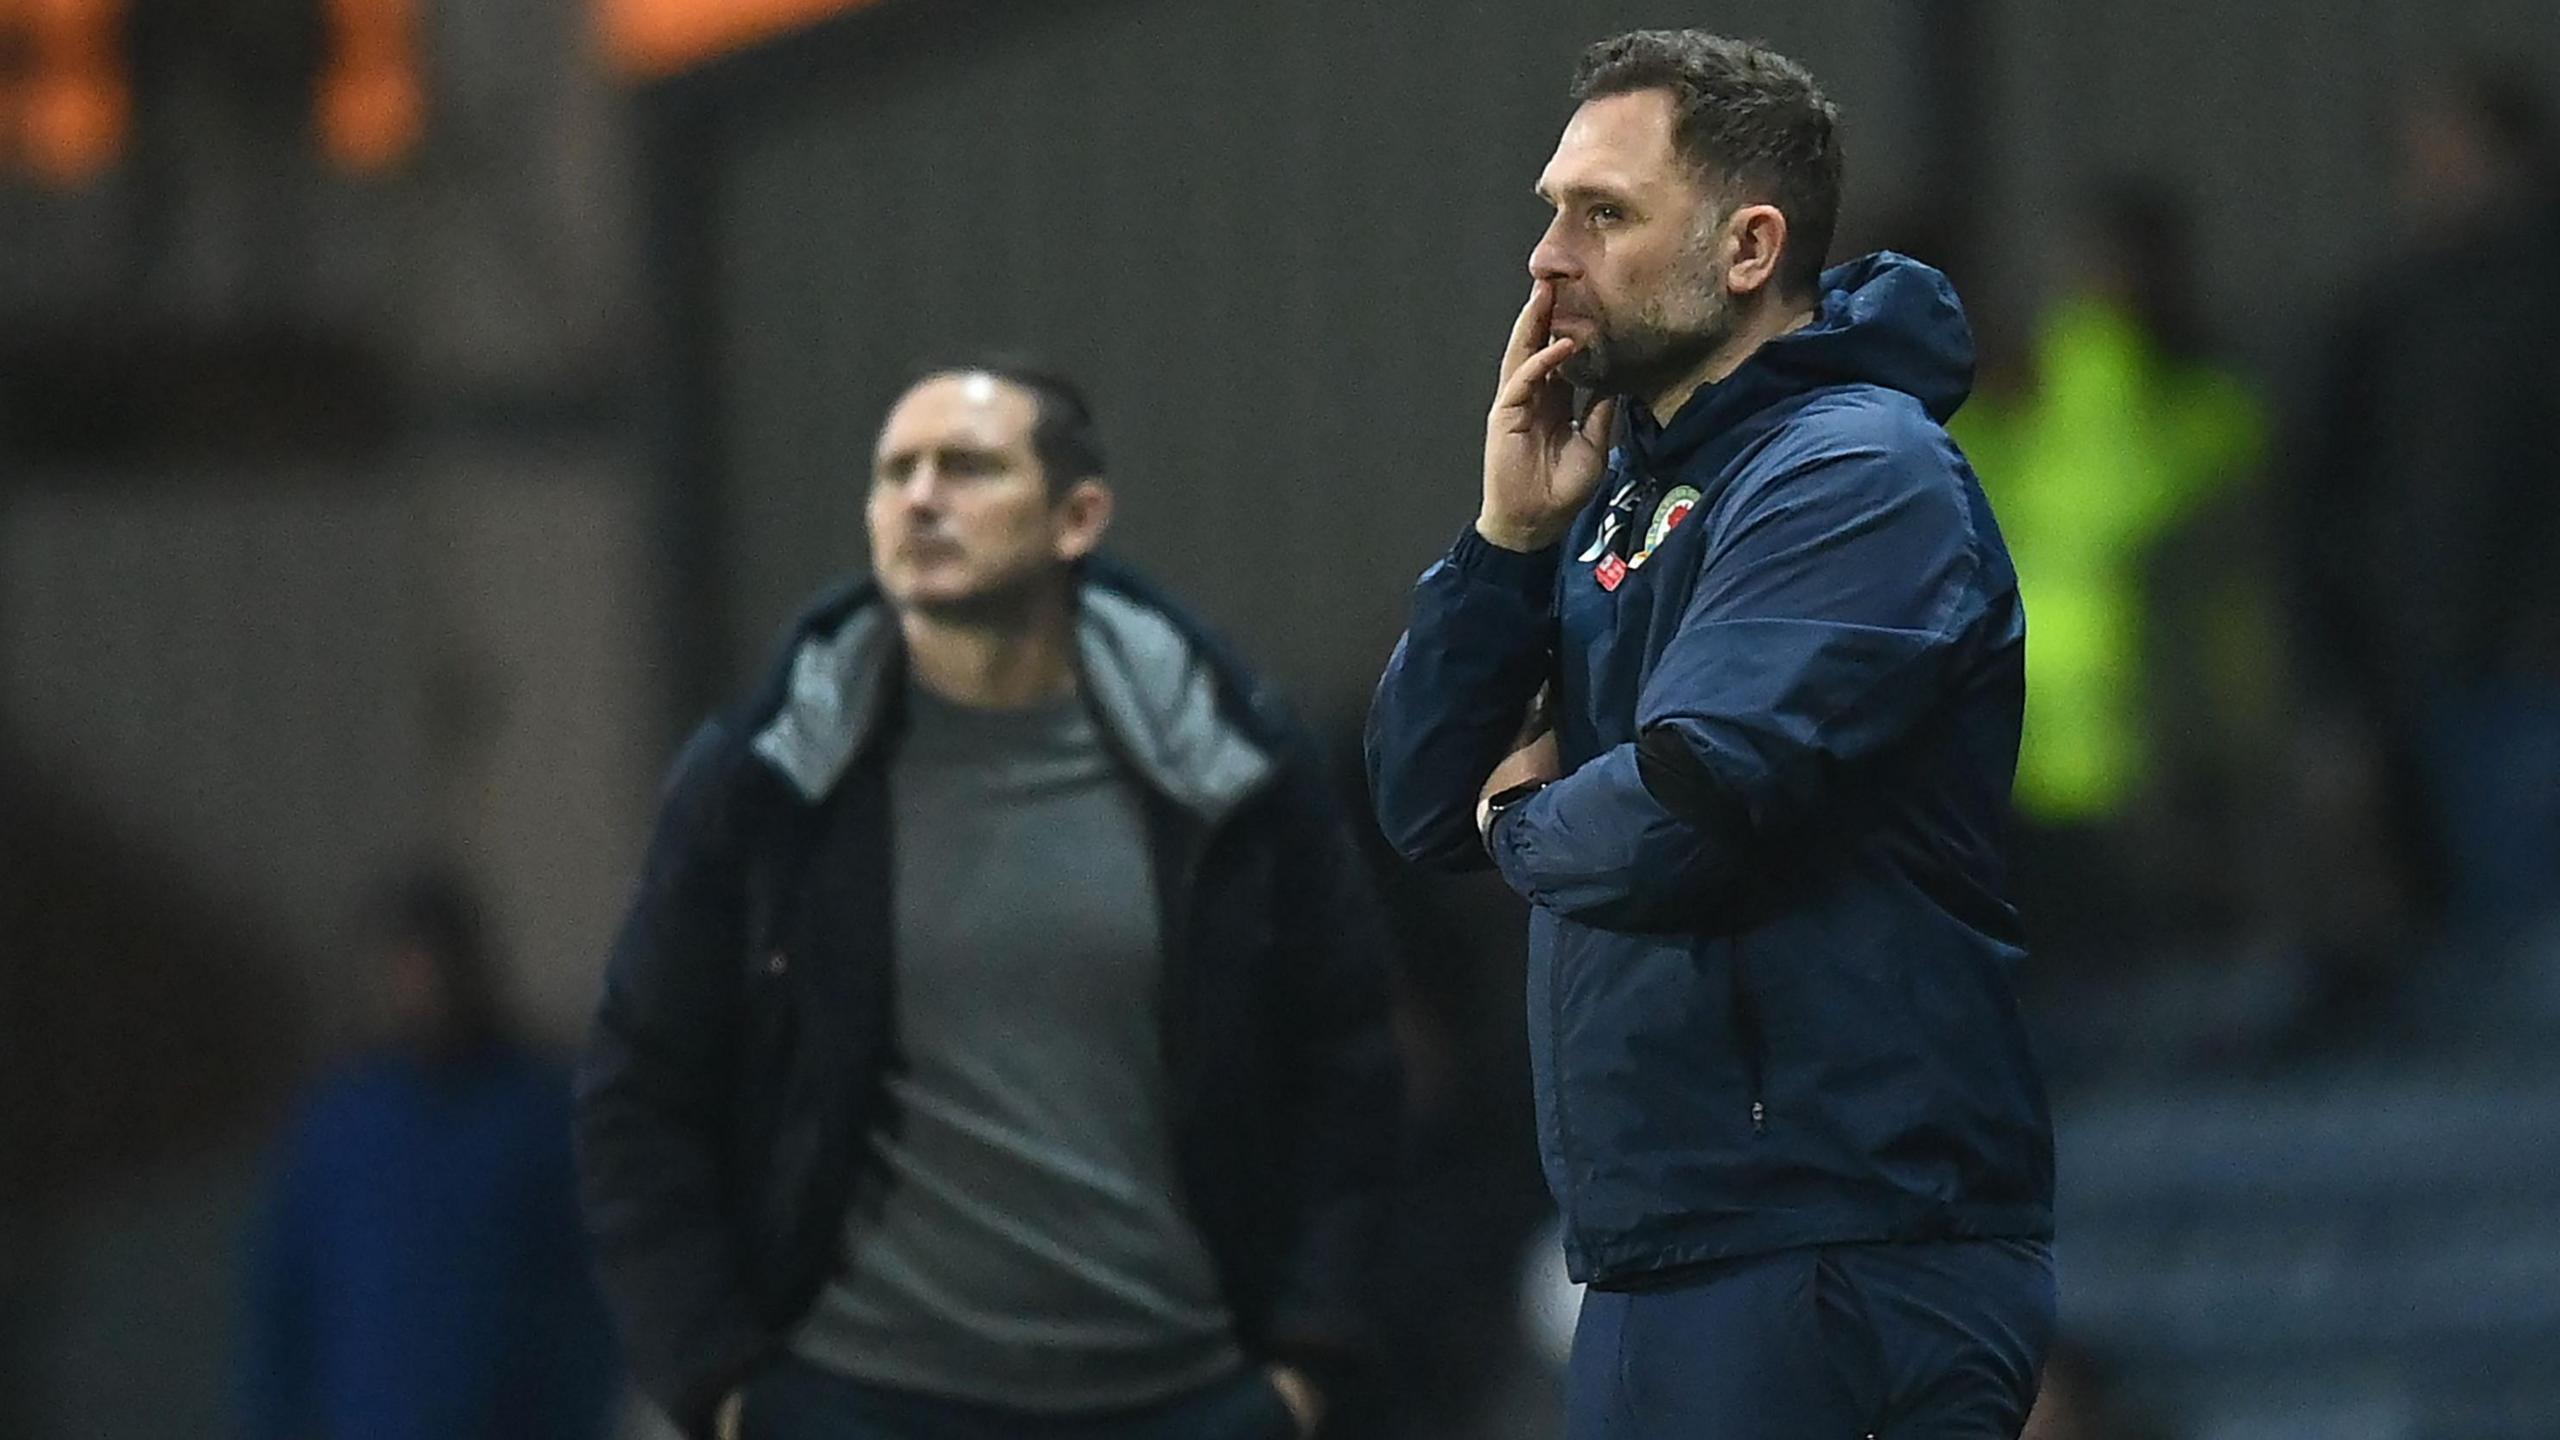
pixel 410 415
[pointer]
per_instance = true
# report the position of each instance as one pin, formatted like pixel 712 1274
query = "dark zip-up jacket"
pixel 732 1080
pixel 1771 950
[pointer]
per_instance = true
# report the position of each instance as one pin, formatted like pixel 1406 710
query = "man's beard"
pixel 1007 602
pixel 1654 349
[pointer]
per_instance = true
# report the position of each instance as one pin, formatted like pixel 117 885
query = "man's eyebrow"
pixel 947 451
pixel 1582 190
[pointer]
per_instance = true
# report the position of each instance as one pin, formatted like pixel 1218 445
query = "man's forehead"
pixel 1615 142
pixel 972 408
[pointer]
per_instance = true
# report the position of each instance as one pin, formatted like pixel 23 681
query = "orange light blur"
pixel 372 101
pixel 652 38
pixel 70 110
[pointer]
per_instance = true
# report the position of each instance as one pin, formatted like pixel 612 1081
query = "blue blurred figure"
pixel 418 1273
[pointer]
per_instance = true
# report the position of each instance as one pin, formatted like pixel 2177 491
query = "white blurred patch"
pixel 1550 1303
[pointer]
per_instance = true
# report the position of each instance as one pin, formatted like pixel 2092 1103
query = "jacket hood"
pixel 1162 691
pixel 1884 320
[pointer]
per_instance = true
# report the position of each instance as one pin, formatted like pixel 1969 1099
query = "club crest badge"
pixel 1676 504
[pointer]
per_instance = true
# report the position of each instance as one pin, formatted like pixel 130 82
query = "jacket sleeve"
pixel 653 1102
pixel 1818 636
pixel 1480 643
pixel 1344 1110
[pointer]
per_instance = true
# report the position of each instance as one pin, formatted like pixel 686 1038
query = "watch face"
pixel 1502 800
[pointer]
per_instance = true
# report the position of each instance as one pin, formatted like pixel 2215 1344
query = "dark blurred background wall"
pixel 324 543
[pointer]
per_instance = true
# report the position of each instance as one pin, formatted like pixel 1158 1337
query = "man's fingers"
pixel 1521 388
pixel 1530 330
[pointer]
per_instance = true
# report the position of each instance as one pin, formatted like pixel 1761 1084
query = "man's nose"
pixel 1550 259
pixel 922 488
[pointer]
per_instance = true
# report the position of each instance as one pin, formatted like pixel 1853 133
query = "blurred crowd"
pixel 2294 676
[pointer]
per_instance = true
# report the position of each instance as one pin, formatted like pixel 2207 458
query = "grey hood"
pixel 1148 684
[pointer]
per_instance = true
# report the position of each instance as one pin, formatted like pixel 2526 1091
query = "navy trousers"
pixel 1835 1342
pixel 795 1400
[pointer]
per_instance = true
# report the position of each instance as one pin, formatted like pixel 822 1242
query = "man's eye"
pixel 1606 215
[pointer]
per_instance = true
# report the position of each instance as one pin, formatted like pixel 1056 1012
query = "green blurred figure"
pixel 2112 451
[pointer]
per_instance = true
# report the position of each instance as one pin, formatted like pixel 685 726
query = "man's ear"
pixel 1083 515
pixel 1755 238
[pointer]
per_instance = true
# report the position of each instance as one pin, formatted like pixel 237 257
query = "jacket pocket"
pixel 767 1022
pixel 761 1102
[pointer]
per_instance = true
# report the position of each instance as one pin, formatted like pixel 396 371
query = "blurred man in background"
pixel 418 1273
pixel 2427 505
pixel 1785 1099
pixel 997 1045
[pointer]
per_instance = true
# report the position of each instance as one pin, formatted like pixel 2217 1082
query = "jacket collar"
pixel 1150 685
pixel 1884 320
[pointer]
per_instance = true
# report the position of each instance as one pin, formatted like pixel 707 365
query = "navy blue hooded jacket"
pixel 1771 953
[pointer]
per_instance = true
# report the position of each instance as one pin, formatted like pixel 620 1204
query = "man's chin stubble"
pixel 998 607
pixel 1585 370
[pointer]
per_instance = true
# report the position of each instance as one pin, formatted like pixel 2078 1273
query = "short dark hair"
pixel 1064 435
pixel 1749 118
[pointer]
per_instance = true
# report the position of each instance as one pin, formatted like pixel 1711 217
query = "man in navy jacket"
pixel 1726 681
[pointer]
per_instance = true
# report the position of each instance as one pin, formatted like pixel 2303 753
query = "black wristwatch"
pixel 1501 800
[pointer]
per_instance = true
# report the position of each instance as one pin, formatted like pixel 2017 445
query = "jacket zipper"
pixel 1746 1023
pixel 1562 1112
